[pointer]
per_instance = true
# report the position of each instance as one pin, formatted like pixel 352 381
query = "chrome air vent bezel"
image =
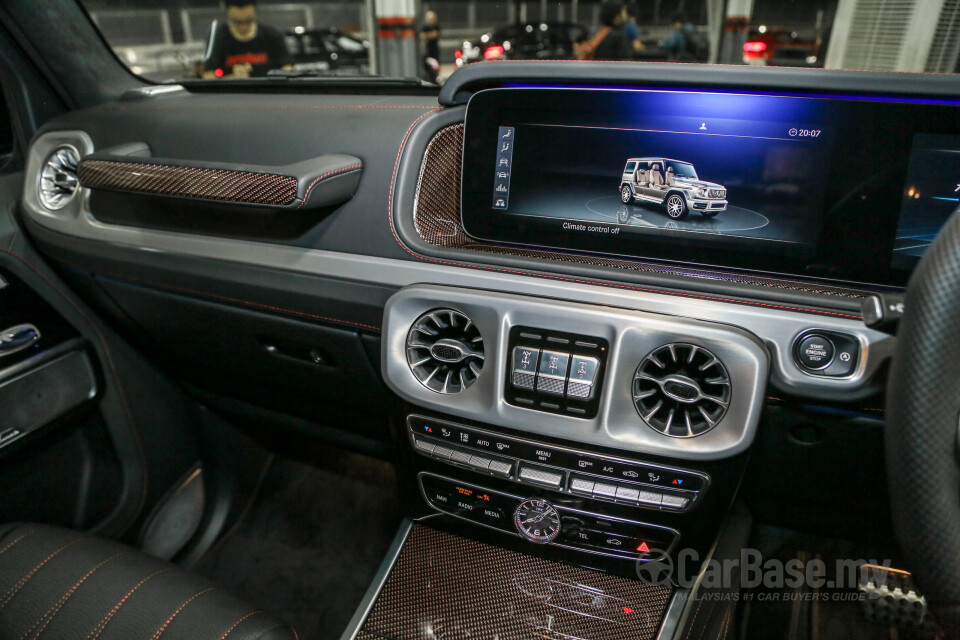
pixel 445 351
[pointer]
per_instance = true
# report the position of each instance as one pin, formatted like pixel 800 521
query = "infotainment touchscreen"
pixel 810 186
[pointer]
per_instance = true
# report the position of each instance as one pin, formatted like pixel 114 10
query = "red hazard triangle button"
pixel 643 548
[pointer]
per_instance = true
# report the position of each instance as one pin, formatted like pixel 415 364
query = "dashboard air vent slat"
pixel 681 390
pixel 445 351
pixel 58 182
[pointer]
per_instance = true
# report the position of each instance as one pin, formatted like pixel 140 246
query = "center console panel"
pixel 467 589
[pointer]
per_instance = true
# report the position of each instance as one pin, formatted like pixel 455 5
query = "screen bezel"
pixel 868 222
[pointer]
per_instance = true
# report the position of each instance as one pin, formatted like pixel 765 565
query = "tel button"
pixel 815 352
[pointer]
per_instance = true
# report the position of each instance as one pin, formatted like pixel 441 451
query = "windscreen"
pixel 183 40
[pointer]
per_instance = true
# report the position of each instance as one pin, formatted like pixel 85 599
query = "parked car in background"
pixel 782 47
pixel 533 41
pixel 327 50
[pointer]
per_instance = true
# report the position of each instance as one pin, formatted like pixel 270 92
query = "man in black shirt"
pixel 242 46
pixel 430 34
pixel 615 45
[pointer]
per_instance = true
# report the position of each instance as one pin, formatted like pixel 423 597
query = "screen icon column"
pixel 501 176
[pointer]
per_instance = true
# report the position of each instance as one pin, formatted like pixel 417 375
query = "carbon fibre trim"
pixel 189 182
pixel 437 221
pixel 447 586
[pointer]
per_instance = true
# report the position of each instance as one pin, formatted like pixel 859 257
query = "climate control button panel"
pixel 540 522
pixel 578 473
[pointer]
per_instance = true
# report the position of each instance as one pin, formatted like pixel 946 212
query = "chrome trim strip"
pixel 380 579
pixel 776 326
pixel 671 619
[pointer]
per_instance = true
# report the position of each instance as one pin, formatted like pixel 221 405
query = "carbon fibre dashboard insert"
pixel 445 586
pixel 322 182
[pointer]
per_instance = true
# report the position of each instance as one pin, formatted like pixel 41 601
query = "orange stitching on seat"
pixel 16 540
pixel 306 195
pixel 55 609
pixel 177 612
pixel 15 588
pixel 97 630
pixel 252 613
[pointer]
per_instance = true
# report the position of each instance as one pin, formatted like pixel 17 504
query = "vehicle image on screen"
pixel 672 184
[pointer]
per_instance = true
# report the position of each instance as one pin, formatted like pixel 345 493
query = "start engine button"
pixel 815 352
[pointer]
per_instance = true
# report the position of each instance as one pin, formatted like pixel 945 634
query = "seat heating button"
pixel 650 498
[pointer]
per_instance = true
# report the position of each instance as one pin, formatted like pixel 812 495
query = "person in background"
pixel 614 44
pixel 242 46
pixel 430 35
pixel 677 44
pixel 632 26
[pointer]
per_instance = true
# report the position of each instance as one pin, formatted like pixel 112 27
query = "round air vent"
pixel 445 351
pixel 58 179
pixel 681 390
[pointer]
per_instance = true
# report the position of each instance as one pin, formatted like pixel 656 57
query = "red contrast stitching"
pixel 55 609
pixel 306 195
pixel 177 612
pixel 97 630
pixel 16 540
pixel 15 588
pixel 577 280
pixel 252 613
pixel 295 634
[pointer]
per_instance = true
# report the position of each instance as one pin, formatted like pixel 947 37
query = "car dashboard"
pixel 569 369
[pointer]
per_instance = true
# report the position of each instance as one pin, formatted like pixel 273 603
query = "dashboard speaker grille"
pixel 445 351
pixel 681 390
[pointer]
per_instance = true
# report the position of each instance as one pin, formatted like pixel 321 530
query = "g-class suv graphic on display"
pixel 674 184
